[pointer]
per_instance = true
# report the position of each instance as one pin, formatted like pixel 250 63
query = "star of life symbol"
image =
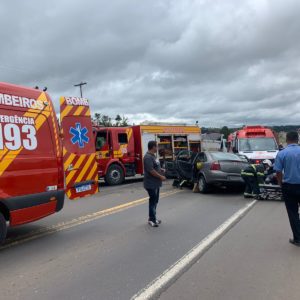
pixel 79 135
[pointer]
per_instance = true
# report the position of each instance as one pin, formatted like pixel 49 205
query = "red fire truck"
pixel 120 151
pixel 255 142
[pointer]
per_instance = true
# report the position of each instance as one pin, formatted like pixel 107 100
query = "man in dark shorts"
pixel 287 166
pixel 152 181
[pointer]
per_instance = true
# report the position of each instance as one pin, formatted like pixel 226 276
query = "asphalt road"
pixel 101 247
pixel 252 261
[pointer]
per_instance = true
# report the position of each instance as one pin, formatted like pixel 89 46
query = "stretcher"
pixel 270 192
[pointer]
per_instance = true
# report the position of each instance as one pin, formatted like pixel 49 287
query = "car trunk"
pixel 233 167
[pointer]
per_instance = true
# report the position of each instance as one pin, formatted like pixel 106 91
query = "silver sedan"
pixel 210 169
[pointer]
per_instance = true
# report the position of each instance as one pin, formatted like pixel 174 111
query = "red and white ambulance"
pixel 257 143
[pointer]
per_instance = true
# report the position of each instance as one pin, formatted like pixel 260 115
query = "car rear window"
pixel 224 156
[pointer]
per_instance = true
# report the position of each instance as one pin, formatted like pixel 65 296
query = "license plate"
pixel 83 188
pixel 234 178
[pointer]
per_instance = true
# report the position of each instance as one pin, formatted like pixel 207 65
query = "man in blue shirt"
pixel 287 167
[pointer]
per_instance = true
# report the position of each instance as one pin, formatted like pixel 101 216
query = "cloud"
pixel 219 62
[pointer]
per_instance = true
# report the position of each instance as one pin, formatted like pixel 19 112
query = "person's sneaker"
pixel 294 242
pixel 152 224
pixel 158 222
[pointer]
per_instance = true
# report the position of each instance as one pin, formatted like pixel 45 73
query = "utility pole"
pixel 80 86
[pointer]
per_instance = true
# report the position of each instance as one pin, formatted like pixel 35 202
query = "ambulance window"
pixel 122 138
pixel 101 139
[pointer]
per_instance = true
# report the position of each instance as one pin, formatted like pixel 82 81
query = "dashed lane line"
pixel 78 221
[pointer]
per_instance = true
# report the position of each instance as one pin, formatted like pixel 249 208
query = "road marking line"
pixel 162 282
pixel 79 221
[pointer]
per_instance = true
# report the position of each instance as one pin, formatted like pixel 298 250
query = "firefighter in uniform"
pixel 253 175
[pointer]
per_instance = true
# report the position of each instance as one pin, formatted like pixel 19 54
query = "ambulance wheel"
pixel 114 175
pixel 203 186
pixel 3 228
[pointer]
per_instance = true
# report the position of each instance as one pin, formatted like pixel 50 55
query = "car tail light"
pixel 215 166
pixel 257 161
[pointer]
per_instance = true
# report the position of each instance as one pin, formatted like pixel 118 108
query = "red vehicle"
pixel 81 169
pixel 119 151
pixel 31 166
pixel 255 142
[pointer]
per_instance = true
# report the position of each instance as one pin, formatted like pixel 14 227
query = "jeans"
pixel 291 197
pixel 153 200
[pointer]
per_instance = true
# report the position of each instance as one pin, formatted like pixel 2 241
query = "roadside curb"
pixel 170 275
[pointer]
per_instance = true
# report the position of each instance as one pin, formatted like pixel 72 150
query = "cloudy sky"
pixel 221 62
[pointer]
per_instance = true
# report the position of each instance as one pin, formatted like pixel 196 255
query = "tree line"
pixel 107 121
pixel 122 121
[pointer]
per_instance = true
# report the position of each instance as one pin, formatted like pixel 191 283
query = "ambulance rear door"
pixel 80 166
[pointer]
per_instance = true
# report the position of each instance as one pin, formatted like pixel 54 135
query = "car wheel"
pixel 114 175
pixel 203 186
pixel 3 228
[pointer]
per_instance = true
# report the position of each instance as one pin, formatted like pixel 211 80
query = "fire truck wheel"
pixel 3 228
pixel 114 175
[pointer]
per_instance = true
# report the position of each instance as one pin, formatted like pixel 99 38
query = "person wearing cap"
pixel 287 167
